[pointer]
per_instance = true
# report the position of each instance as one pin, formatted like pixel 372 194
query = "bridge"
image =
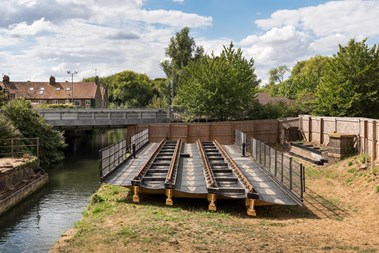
pixel 205 169
pixel 102 118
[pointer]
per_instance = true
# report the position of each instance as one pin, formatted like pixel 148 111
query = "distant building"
pixel 265 98
pixel 81 94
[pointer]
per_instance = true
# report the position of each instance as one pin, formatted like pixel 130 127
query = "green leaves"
pixel 31 125
pixel 350 86
pixel 220 87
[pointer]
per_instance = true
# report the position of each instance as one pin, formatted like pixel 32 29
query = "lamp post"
pixel 72 73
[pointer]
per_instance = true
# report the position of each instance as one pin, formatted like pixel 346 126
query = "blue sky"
pixel 39 39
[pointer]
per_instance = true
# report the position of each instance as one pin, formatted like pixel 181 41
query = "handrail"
pixel 252 192
pixel 172 172
pixel 210 179
pixel 139 176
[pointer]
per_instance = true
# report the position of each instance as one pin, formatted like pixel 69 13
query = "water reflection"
pixel 35 224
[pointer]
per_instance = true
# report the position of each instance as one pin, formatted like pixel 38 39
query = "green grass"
pixel 376 189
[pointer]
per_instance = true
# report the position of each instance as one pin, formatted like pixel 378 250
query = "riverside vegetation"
pixel 340 217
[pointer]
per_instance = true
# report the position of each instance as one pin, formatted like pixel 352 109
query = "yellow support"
pixel 212 200
pixel 169 197
pixel 250 207
pixel 136 190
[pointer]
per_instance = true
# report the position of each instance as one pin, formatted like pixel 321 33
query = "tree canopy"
pixel 221 87
pixel 350 86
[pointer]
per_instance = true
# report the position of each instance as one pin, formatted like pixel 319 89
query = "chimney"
pixel 97 80
pixel 52 80
pixel 6 80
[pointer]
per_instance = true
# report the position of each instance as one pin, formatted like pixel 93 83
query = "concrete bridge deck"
pixel 102 118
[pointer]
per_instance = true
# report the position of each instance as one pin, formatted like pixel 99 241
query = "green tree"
pixel 276 76
pixel 33 125
pixel 220 87
pixel 181 50
pixel 351 85
pixel 129 89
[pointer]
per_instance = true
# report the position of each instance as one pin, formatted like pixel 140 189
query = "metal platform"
pixel 202 170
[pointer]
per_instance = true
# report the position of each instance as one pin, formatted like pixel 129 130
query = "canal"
pixel 38 222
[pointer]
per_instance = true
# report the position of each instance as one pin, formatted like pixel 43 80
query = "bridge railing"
pixel 112 156
pixel 102 114
pixel 286 171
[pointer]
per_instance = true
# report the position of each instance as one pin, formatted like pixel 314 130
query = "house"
pixel 81 94
pixel 265 98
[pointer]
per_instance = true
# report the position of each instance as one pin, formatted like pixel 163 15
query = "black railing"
pixel 288 172
pixel 18 147
pixel 112 156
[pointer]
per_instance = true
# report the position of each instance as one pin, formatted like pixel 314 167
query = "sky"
pixel 40 38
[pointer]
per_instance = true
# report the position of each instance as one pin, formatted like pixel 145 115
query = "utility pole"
pixel 72 73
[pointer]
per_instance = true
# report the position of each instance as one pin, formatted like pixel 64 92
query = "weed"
pixel 96 199
pixel 376 189
pixel 349 163
pixel 352 170
pixel 98 209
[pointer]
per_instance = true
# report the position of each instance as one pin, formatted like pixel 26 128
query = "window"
pixel 68 88
pixel 55 102
pixel 31 88
pixel 77 102
pixel 88 103
pixel 58 88
pixel 12 96
pixel 41 101
pixel 40 92
pixel 67 101
pixel 42 88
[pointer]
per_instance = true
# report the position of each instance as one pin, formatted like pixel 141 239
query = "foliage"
pixel 129 89
pixel 305 77
pixel 275 111
pixel 276 76
pixel 351 85
pixel 55 106
pixel 7 128
pixel 161 91
pixel 32 125
pixel 181 50
pixel 220 87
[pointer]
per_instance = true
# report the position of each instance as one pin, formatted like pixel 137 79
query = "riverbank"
pixel 19 178
pixel 340 215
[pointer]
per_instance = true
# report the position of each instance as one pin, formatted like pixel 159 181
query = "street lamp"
pixel 72 73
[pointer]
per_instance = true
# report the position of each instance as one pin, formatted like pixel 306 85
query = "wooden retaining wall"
pixel 316 129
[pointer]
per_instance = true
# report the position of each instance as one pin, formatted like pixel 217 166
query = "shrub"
pixel 32 125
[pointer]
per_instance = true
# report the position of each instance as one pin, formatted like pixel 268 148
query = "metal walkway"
pixel 202 170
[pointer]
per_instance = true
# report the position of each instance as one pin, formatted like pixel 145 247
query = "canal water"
pixel 37 223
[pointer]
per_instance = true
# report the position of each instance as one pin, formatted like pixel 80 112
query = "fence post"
pixel 101 165
pixel 276 163
pixel 269 159
pixel 243 149
pixel 301 181
pixel 290 172
pixel 282 167
pixel 264 154
pixel 12 147
pixel 134 150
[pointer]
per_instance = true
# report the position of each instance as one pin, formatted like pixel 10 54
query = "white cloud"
pixel 349 17
pixel 36 27
pixel 39 40
pixel 178 1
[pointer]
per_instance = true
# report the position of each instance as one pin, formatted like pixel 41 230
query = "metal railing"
pixel 112 156
pixel 17 147
pixel 285 170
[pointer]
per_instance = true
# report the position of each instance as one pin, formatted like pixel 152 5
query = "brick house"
pixel 81 94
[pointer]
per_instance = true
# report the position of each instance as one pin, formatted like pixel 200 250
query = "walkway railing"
pixel 17 147
pixel 112 156
pixel 286 171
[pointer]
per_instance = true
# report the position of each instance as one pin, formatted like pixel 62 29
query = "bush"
pixel 55 106
pixel 32 125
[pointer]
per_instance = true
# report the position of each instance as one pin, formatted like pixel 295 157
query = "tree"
pixel 129 89
pixel 32 125
pixel 276 76
pixel 181 50
pixel 351 85
pixel 220 87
